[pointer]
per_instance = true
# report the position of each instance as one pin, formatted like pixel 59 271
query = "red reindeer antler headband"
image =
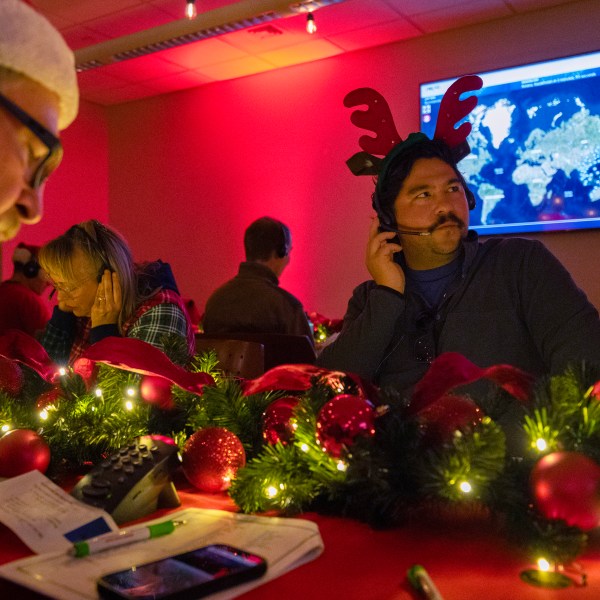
pixel 387 142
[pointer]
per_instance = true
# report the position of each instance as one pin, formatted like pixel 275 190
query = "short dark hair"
pixel 265 236
pixel 397 166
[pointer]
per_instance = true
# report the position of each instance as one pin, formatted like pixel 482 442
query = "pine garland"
pixel 385 480
pixel 477 458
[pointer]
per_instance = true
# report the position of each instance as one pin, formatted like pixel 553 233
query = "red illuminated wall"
pixel 208 162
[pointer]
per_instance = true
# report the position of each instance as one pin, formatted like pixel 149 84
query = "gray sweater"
pixel 512 303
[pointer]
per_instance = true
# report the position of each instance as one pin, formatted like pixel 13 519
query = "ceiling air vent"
pixel 233 17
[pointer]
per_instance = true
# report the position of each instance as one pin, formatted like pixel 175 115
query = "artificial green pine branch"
pixel 205 362
pixel 176 348
pixel 324 468
pixel 381 485
pixel 475 459
pixel 278 479
pixel 16 413
pixel 566 416
pixel 509 500
pixel 33 385
pixel 554 540
pixel 87 427
pixel 226 406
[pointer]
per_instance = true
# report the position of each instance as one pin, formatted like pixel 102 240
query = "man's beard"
pixel 443 219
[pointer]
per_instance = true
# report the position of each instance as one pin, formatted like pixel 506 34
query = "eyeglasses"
pixel 46 165
pixel 67 290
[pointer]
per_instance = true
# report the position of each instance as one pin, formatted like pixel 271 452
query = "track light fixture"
pixel 190 9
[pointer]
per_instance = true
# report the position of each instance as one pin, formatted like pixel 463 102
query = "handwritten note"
pixel 45 517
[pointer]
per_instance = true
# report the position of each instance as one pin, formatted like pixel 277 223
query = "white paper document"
pixel 45 517
pixel 284 543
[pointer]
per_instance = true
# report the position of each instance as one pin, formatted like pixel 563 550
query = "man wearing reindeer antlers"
pixel 436 288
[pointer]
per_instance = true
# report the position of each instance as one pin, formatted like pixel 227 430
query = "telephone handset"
pixel 103 268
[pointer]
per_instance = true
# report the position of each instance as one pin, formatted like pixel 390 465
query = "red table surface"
pixel 467 560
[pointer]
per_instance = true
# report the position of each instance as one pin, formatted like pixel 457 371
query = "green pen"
pixel 420 580
pixel 114 539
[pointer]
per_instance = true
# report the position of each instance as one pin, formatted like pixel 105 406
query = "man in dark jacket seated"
pixel 253 301
pixel 437 289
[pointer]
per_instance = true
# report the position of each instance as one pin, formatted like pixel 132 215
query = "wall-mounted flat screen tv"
pixel 535 145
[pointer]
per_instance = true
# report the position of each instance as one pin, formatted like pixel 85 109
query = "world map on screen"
pixel 538 159
pixel 535 153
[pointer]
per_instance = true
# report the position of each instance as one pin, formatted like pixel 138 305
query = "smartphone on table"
pixel 184 576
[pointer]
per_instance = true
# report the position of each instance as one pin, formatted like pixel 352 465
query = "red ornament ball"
pixel 566 485
pixel 11 377
pixel 211 458
pixel 595 390
pixel 447 414
pixel 342 420
pixel 48 398
pixel 22 450
pixel 157 390
pixel 277 420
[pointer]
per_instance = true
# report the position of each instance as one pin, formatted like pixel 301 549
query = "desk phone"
pixel 134 481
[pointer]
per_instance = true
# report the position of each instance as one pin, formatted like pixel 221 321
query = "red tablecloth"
pixel 468 560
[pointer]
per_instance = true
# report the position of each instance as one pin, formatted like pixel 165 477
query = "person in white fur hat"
pixel 21 303
pixel 38 98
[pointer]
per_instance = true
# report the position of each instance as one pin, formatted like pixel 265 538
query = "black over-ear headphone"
pixel 283 248
pixel 31 268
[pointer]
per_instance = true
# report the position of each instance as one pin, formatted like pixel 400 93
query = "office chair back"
pixel 238 358
pixel 279 348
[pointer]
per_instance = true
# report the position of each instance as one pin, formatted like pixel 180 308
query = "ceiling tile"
pixel 80 37
pixel 345 26
pixel 270 36
pixel 376 35
pixel 241 67
pixel 461 15
pixel 96 79
pixel 527 5
pixel 83 10
pixel 118 95
pixel 142 68
pixel 300 53
pixel 200 54
pixel 346 16
pixel 181 81
pixel 415 7
pixel 129 21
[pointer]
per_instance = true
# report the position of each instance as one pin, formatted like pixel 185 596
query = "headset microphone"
pixel 413 232
pixel 388 228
